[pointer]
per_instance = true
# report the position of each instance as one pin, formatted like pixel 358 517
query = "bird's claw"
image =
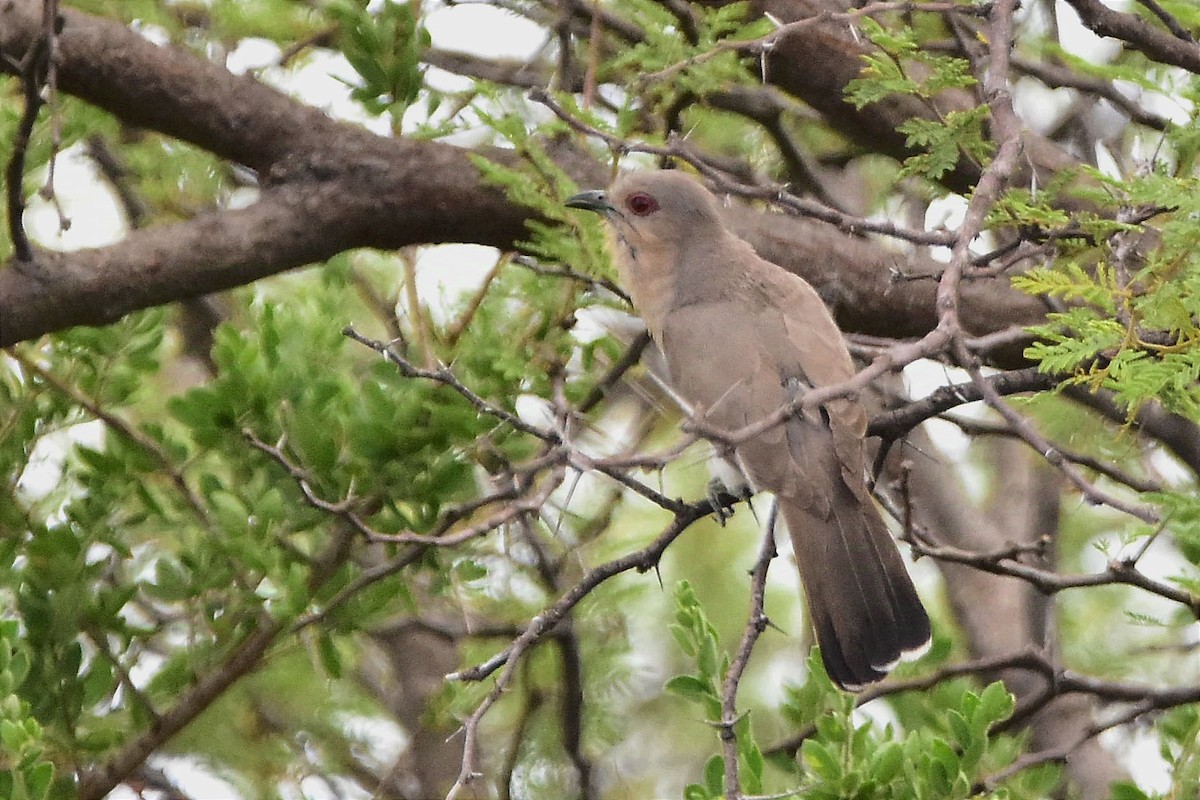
pixel 721 499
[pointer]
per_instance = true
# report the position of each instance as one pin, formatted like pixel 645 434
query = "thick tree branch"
pixel 1139 34
pixel 170 90
pixel 816 63
pixel 890 425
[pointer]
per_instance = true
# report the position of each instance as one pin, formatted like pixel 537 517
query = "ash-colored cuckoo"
pixel 742 337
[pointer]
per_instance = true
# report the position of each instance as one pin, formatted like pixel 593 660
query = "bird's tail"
pixel 863 605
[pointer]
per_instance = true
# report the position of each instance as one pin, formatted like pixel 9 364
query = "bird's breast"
pixel 650 281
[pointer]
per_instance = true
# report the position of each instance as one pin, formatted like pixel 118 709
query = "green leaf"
pixel 821 760
pixel 887 762
pixel 1123 790
pixel 38 780
pixel 714 776
pixel 995 705
pixel 752 760
pixel 683 640
pixel 707 657
pixel 690 687
pixel 959 727
pixel 331 659
pixel 468 569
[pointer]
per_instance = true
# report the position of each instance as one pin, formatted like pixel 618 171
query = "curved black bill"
pixel 591 200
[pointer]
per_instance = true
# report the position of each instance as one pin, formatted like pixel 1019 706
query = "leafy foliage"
pixel 1134 330
pixel 169 502
pixel 843 756
pixel 24 772
pixel 707 63
pixel 385 49
pixel 902 67
pixel 697 638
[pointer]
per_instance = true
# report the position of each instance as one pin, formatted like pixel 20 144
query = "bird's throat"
pixel 649 279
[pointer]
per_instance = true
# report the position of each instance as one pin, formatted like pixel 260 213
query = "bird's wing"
pixel 724 364
pixel 810 350
pixel 743 356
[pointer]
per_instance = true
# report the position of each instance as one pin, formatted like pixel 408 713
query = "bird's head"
pixel 654 208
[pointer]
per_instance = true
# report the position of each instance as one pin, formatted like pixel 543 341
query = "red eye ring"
pixel 641 204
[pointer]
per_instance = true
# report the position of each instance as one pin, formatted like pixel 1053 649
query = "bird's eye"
pixel 641 204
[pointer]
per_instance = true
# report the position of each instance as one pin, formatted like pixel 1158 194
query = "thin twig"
pixel 976 428
pixel 50 26
pixel 444 376
pixel 605 284
pixel 544 622
pixel 100 640
pixel 460 325
pixel 1025 429
pixel 31 68
pixel 1168 20
pixel 891 425
pixel 1060 753
pixel 778 195
pixel 631 356
pixel 417 315
pixel 641 560
pixel 1119 571
pixel 121 428
pixel 756 623
pixel 1060 681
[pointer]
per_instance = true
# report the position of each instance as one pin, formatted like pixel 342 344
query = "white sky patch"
pixel 948 213
pixel 383 739
pixel 444 81
pixel 446 272
pixel 191 773
pixel 1170 102
pixel 1172 471
pixel 154 34
pixel 484 31
pixel 1078 40
pixel 45 468
pixel 252 53
pixel 1137 750
pixel 1106 163
pixel 322 81
pixel 147 666
pixel 593 322
pixel 87 202
pixel 1107 121
pixel 1039 105
pixel 922 378
pixel 536 411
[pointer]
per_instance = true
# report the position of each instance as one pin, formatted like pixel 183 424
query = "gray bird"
pixel 742 337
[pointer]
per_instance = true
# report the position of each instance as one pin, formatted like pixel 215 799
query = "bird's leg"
pixel 727 486
pixel 720 499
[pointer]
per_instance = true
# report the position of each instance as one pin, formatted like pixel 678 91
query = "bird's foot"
pixel 722 499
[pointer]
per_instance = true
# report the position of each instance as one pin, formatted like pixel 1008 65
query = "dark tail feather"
pixel 864 607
